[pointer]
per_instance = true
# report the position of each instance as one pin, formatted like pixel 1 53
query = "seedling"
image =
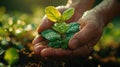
pixel 61 32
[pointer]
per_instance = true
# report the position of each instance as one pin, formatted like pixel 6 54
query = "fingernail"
pixel 74 43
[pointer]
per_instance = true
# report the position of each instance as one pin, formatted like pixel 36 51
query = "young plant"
pixel 61 32
pixel 55 16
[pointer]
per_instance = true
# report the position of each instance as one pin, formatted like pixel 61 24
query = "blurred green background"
pixel 18 22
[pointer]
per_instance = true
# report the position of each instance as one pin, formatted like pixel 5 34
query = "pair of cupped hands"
pixel 81 44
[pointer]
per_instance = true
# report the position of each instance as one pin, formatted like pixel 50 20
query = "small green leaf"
pixel 52 13
pixel 54 43
pixel 11 56
pixel 50 35
pixel 60 27
pixel 67 14
pixel 73 27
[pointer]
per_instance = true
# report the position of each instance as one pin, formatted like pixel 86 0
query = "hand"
pixel 40 44
pixel 92 23
pixel 82 42
pixel 88 27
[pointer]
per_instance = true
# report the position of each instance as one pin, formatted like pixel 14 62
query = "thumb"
pixel 87 33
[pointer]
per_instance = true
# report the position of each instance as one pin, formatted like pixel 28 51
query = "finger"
pixel 37 39
pixel 79 52
pixel 51 52
pixel 93 42
pixel 38 47
pixel 85 50
pixel 87 33
pixel 46 24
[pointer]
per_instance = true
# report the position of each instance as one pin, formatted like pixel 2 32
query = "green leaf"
pixel 11 56
pixel 73 27
pixel 52 13
pixel 60 27
pixel 55 44
pixel 50 35
pixel 67 14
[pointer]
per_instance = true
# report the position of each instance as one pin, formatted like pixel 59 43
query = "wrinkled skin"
pixel 81 44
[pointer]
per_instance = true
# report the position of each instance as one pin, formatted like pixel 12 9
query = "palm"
pixel 39 41
pixel 87 37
